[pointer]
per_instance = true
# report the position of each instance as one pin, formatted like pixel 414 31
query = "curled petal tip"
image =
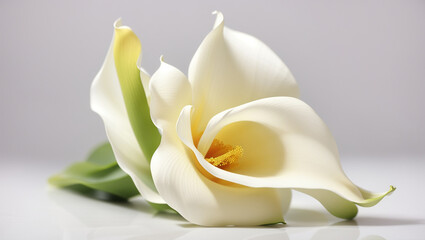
pixel 392 189
pixel 118 23
pixel 219 19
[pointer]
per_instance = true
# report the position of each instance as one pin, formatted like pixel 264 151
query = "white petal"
pixel 231 68
pixel 107 101
pixel 170 92
pixel 144 77
pixel 205 201
pixel 306 156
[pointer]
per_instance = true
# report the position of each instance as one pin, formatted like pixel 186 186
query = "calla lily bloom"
pixel 235 138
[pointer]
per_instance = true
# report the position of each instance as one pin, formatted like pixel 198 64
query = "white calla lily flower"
pixel 234 137
pixel 107 100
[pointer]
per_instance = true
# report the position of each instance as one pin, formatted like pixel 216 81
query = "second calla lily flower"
pixel 235 139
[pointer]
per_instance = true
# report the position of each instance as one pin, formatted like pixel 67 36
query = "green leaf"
pixel 102 155
pixel 127 49
pixel 99 172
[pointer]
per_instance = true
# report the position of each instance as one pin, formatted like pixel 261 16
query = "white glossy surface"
pixel 30 209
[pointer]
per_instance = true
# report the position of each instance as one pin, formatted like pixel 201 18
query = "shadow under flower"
pixel 297 217
pixel 135 203
pixel 380 221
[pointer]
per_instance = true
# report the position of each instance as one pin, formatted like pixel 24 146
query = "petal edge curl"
pixel 231 68
pixel 310 159
pixel 127 49
pixel 106 99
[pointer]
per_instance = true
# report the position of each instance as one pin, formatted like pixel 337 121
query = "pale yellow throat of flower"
pixel 223 155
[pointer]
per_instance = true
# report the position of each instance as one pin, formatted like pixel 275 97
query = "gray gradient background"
pixel 360 64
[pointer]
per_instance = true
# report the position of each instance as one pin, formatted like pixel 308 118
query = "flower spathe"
pixel 108 101
pixel 234 136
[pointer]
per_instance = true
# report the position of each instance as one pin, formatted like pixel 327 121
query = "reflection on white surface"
pixel 81 217
pixel 30 211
